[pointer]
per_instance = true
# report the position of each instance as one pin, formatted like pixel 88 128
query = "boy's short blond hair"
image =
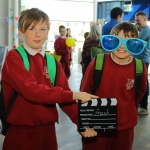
pixel 129 29
pixel 33 15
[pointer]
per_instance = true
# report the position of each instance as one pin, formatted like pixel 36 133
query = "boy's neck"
pixel 122 61
pixel 32 51
pixel 63 37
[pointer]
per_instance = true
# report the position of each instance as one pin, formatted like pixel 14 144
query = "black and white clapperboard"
pixel 99 114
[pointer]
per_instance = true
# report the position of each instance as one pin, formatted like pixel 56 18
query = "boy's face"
pixel 121 55
pixel 63 32
pixel 35 36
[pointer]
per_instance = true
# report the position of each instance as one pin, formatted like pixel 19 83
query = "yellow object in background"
pixel 57 57
pixel 70 42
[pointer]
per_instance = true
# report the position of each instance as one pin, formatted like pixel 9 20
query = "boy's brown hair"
pixel 33 15
pixel 61 27
pixel 129 29
pixel 86 34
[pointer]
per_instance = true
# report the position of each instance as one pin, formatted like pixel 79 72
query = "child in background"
pixel 86 34
pixel 62 49
pixel 118 79
pixel 72 49
pixel 34 114
pixel 68 32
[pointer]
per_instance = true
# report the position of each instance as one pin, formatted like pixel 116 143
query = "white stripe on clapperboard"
pixel 104 102
pixel 113 101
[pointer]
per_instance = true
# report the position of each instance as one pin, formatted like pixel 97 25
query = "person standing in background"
pixel 144 34
pixel 116 15
pixel 72 49
pixel 86 34
pixel 62 49
pixel 68 32
pixel 91 40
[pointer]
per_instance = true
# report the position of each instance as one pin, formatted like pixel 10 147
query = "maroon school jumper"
pixel 117 82
pixel 34 112
pixel 62 49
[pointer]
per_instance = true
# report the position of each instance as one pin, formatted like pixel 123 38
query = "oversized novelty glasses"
pixel 111 43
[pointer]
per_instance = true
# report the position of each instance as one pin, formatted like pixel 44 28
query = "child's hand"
pixel 83 96
pixel 89 132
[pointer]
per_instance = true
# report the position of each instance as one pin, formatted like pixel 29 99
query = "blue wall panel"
pixel 137 5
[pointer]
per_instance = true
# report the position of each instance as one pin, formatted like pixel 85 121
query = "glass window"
pixel 65 10
pixel 105 8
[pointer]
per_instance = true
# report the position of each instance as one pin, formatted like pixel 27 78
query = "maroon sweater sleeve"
pixel 25 84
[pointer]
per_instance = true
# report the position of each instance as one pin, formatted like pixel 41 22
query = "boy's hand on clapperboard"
pixel 83 96
pixel 89 133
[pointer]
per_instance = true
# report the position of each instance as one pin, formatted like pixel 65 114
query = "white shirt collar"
pixel 32 51
pixel 63 37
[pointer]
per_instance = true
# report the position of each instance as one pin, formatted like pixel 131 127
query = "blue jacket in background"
pixel 145 35
pixel 106 29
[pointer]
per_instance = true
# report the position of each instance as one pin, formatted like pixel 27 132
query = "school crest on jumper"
pixel 130 84
pixel 45 72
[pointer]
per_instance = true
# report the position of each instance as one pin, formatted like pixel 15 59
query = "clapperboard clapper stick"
pixel 99 114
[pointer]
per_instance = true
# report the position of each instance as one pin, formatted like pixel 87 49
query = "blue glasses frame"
pixel 111 43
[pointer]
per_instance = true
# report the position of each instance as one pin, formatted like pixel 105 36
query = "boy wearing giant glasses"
pixel 118 79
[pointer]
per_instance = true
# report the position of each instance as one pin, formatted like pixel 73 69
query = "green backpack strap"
pixel 24 56
pixel 51 65
pixel 139 69
pixel 98 70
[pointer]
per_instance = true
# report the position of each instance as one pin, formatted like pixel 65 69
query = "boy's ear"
pixel 20 32
pixel 118 17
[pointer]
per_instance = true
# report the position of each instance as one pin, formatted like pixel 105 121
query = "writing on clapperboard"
pixel 98 112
